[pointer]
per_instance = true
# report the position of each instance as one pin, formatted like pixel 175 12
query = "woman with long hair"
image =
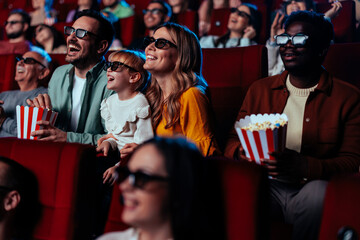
pixel 48 38
pixel 243 28
pixel 168 193
pixel 176 93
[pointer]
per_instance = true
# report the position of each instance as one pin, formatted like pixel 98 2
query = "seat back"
pixel 229 72
pixel 341 208
pixel 65 172
pixel 344 23
pixel 218 21
pixel 127 30
pixel 342 60
pixel 189 19
pixel 8 63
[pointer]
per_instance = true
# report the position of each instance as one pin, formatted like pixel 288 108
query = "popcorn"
pixel 261 134
pixel 27 118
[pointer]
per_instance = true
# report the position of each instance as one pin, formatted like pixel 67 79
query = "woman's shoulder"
pixel 193 95
pixel 208 41
pixel 129 234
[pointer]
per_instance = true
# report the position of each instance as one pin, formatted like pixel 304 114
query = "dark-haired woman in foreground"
pixel 165 195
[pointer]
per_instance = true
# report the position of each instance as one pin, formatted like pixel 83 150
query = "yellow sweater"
pixel 195 122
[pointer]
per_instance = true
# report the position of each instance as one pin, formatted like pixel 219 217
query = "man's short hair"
pixel 25 16
pixel 106 29
pixel 323 28
pixel 28 212
pixel 167 8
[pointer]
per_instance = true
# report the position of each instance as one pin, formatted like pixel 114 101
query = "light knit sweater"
pixel 294 109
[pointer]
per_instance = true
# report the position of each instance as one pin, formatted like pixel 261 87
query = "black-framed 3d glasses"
pixel 137 179
pixel 12 22
pixel 153 11
pixel 79 33
pixel 298 40
pixel 240 13
pixel 117 66
pixel 29 60
pixel 159 43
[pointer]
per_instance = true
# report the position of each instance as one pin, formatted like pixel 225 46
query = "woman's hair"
pixel 309 4
pixel 190 184
pixel 58 37
pixel 136 60
pixel 28 211
pixel 253 21
pixel 187 73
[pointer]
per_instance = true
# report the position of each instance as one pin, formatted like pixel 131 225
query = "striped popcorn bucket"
pixel 257 143
pixel 27 117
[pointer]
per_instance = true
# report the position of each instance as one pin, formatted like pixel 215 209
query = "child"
pixel 126 113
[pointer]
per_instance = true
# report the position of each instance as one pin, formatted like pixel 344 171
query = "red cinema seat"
pixel 114 221
pixel 342 60
pixel 189 19
pixel 344 23
pixel 246 201
pixel 65 172
pixel 8 64
pixel 127 30
pixel 218 21
pixel 341 208
pixel 229 72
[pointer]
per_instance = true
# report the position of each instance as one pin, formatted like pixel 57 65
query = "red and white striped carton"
pixel 27 117
pixel 258 143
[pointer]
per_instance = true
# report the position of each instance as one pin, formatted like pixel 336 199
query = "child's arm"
pixel 109 175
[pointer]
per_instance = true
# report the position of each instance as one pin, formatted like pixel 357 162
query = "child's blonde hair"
pixel 136 60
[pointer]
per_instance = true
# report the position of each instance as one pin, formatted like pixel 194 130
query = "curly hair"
pixel 187 73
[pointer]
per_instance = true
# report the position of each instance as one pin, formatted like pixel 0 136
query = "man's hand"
pixel 41 101
pixel 49 132
pixel 288 165
pixel 109 175
pixel 276 26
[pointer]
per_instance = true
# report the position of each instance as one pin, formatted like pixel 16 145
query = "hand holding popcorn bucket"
pixel 260 134
pixel 27 117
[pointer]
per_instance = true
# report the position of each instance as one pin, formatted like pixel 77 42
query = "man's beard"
pixel 14 35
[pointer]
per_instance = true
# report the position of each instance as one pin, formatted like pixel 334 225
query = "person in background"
pixel 83 5
pixel 126 113
pixel 205 11
pixel 43 12
pixel 167 195
pixel 20 209
pixel 31 69
pixel 120 8
pixel 48 38
pixel 275 65
pixel 76 90
pixel 243 25
pixel 323 131
pixel 156 13
pixel 16 27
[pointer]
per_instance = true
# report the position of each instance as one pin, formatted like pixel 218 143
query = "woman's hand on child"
pixel 128 148
pixel 109 175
